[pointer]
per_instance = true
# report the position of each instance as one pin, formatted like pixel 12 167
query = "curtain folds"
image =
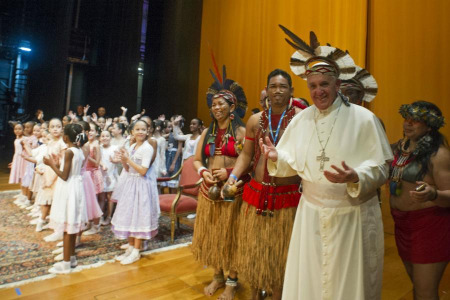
pixel 403 42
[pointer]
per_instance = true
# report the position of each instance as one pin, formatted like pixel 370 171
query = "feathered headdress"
pixel 421 113
pixel 314 59
pixel 223 83
pixel 363 81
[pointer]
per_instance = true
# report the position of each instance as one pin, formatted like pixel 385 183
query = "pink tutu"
pixel 97 179
pixel 18 164
pixel 93 209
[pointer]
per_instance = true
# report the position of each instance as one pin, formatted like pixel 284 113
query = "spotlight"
pixel 25 46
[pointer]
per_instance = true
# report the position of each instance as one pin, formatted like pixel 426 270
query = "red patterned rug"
pixel 25 255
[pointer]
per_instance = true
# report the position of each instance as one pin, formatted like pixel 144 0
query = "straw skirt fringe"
pixel 215 233
pixel 262 246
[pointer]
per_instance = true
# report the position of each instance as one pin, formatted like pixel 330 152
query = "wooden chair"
pixel 184 202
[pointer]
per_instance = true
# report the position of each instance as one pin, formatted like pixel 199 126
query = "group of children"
pixel 82 175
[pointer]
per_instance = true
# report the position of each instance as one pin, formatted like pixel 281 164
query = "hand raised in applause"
pixel 108 122
pixel 85 109
pixel 124 155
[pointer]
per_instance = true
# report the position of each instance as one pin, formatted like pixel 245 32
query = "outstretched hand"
pixel 268 149
pixel 85 109
pixel 344 175
pixel 177 120
pixel 108 123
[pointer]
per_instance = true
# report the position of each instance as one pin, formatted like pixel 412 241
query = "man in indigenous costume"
pixel 269 203
pixel 215 231
pixel 341 153
pixel 360 88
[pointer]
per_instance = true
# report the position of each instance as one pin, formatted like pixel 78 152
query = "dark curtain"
pixel 116 32
pixel 110 78
pixel 172 58
pixel 50 44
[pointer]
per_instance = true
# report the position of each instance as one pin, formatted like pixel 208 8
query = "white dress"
pixel 111 174
pixel 69 212
pixel 190 145
pixel 337 245
pixel 38 155
pixel 137 211
pixel 160 160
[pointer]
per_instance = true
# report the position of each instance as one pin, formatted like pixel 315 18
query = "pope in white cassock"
pixel 341 152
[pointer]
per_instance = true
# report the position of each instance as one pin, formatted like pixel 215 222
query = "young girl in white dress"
pixel 137 212
pixel 110 174
pixel 69 212
pixel 160 160
pixel 55 150
pixel 18 163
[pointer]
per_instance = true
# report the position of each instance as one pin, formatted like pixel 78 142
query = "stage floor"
pixel 175 275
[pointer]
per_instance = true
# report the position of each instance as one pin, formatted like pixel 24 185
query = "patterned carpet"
pixel 25 255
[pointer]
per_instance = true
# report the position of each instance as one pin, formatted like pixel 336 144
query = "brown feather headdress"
pixel 313 58
pixel 362 81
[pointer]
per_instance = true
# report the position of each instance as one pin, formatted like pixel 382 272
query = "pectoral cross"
pixel 322 158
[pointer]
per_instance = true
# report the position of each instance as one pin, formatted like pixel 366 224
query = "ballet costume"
pixel 18 168
pixel 38 154
pixel 137 209
pixel 27 178
pixel 111 175
pixel 160 159
pixel 95 172
pixel 45 194
pixel 93 208
pixel 48 183
pixel 69 212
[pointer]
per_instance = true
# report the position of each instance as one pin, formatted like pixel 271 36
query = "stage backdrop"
pixel 405 45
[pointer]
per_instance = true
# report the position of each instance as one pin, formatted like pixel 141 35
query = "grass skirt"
pixel 215 233
pixel 262 246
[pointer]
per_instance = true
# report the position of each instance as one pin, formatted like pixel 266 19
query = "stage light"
pixel 25 46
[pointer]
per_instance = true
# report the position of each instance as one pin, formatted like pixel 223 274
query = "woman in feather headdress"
pixel 214 240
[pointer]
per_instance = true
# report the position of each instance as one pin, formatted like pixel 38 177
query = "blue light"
pixel 25 49
pixel 25 45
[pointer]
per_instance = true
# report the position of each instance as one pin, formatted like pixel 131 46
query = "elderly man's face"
pixel 101 111
pixel 323 90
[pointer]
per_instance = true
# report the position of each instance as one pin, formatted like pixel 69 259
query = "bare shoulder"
pixel 441 159
pixel 241 130
pixel 253 121
pixel 153 143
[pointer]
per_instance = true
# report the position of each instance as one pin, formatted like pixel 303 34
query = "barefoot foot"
pixel 217 283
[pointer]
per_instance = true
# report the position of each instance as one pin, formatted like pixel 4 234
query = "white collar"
pixel 334 106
